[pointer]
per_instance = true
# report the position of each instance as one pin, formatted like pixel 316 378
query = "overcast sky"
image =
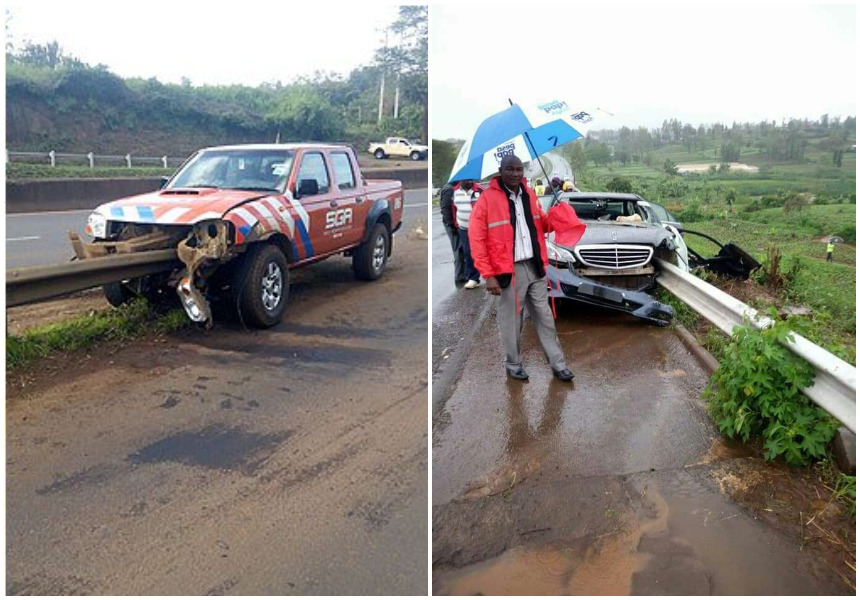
pixel 700 64
pixel 248 42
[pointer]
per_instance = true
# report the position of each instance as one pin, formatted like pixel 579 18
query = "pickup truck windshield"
pixel 255 170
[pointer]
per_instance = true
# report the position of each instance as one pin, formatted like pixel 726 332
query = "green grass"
pixel 19 171
pixel 816 220
pixel 846 492
pixel 128 322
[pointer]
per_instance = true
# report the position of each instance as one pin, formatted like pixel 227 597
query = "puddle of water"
pixel 214 447
pixel 603 565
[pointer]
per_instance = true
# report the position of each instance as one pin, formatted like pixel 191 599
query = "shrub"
pixel 848 233
pixel 691 214
pixel 619 184
pixel 757 391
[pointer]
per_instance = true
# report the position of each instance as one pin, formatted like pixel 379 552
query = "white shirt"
pixel 464 200
pixel 522 238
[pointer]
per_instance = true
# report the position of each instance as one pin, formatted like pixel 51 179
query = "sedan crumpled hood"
pixel 176 206
pixel 601 232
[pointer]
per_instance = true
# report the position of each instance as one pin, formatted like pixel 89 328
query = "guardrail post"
pixel 91 158
pixel 53 156
pixel 164 161
pixel 128 160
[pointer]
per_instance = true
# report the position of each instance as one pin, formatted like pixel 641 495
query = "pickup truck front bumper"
pixel 565 284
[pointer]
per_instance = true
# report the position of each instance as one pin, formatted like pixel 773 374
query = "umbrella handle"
pixel 555 199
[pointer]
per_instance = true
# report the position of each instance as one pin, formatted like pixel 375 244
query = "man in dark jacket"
pixel 449 222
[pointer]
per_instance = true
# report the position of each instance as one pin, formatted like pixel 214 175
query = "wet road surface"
pixel 285 461
pixel 607 486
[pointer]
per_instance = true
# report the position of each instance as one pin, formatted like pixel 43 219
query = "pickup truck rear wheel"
pixel 263 285
pixel 415 155
pixel 370 258
pixel 379 154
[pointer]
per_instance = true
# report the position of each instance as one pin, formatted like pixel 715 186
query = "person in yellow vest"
pixel 539 187
pixel 830 248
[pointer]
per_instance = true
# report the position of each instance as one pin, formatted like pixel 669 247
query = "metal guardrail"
pixel 835 386
pixel 91 159
pixel 33 284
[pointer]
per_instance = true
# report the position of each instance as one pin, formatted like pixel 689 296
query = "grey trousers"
pixel 532 294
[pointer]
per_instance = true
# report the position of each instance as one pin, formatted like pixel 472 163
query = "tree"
pixel 304 115
pixel 49 55
pixel 598 153
pixel 577 158
pixel 669 167
pixel 837 157
pixel 444 155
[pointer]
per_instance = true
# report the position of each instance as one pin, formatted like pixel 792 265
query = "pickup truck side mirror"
pixel 307 187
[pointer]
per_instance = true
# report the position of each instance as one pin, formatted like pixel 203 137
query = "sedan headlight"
pixel 96 225
pixel 558 256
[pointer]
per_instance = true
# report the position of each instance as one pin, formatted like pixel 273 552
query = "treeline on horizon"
pixel 56 102
pixel 785 142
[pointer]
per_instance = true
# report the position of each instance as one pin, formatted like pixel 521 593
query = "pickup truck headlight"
pixel 96 225
pixel 558 256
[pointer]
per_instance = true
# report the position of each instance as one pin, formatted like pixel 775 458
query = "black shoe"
pixel 564 374
pixel 518 373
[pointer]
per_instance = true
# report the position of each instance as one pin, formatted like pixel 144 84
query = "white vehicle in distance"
pixel 395 146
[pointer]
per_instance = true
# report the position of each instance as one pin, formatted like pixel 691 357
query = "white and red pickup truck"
pixel 241 217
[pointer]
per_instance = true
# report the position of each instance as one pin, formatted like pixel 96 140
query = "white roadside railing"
pixel 91 159
pixel 835 386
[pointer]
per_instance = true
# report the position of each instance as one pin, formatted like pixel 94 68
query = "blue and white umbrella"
pixel 525 131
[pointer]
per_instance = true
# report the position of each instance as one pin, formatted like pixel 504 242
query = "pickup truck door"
pixel 353 203
pixel 316 196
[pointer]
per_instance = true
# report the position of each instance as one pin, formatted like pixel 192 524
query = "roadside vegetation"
pixel 55 101
pixel 132 321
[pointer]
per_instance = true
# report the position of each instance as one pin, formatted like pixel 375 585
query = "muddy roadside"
pixel 620 483
pixel 286 461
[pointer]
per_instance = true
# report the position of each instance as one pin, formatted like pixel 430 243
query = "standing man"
pixel 449 222
pixel 465 196
pixel 506 236
pixel 830 248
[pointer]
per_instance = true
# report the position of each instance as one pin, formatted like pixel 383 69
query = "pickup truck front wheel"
pixel 263 281
pixel 370 258
pixel 379 154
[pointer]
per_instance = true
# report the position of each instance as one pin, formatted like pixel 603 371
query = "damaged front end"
pixel 615 275
pixel 202 247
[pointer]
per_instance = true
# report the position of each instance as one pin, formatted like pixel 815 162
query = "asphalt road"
pixel 285 461
pixel 610 485
pixel 41 238
pixel 559 165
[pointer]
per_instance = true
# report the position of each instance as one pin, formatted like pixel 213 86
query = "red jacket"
pixel 491 230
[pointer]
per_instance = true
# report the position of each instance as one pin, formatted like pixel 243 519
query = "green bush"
pixel 757 391
pixel 619 184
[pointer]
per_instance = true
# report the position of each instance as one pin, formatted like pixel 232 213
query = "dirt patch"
pixel 703 168
pixel 798 502
pixel 22 318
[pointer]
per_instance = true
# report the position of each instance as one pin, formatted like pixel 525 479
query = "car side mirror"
pixel 163 182
pixel 307 187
